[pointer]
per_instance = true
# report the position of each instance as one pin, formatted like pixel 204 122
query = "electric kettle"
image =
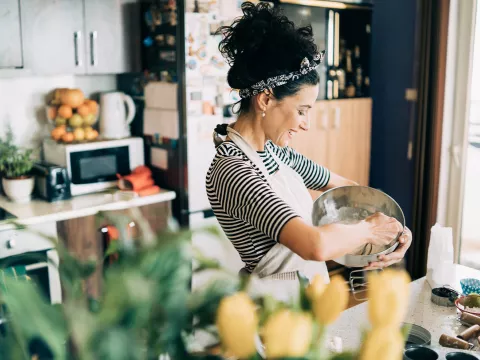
pixel 117 111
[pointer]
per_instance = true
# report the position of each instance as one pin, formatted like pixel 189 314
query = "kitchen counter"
pixel 38 211
pixel 421 311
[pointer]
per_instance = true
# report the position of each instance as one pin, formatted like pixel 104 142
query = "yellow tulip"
pixel 332 301
pixel 287 333
pixel 316 287
pixel 237 323
pixel 383 344
pixel 388 295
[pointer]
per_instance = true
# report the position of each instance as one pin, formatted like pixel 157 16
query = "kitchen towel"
pixel 440 268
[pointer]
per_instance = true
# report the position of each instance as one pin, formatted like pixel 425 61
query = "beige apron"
pixel 278 267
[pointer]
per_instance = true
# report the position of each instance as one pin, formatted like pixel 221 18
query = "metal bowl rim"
pixel 369 188
pixel 348 258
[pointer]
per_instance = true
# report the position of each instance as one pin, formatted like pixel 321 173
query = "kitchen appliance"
pixel 350 204
pixel 343 29
pixel 93 167
pixel 51 181
pixel 117 111
pixel 30 248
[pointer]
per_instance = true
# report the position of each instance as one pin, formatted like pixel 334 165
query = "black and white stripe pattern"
pixel 249 211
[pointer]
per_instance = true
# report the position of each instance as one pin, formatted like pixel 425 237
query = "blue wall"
pixel 392 72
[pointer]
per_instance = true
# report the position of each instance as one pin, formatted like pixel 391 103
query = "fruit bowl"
pixel 72 116
pixel 462 302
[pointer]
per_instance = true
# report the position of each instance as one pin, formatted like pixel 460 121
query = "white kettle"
pixel 115 119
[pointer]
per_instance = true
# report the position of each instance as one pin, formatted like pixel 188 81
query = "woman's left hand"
pixel 396 256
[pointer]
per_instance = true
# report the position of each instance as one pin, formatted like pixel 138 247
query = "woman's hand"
pixel 382 229
pixel 396 256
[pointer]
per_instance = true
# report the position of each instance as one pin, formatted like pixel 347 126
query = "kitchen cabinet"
pixel 53 35
pixel 104 38
pixel 349 136
pixel 339 138
pixel 83 237
pixel 10 35
pixel 74 37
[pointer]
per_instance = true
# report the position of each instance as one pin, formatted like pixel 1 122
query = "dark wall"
pixel 393 70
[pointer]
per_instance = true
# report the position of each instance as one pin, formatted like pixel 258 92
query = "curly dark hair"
pixel 265 43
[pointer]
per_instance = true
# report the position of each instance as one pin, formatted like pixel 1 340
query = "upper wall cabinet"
pixel 74 37
pixel 10 35
pixel 53 36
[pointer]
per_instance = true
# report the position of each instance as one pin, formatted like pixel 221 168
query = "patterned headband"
pixel 305 67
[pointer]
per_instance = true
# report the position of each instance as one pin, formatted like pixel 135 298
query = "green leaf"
pixel 405 330
pixel 344 356
pixel 31 316
pixel 117 344
pixel 112 249
pixel 304 301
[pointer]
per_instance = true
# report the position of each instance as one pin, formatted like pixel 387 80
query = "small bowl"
pixel 470 286
pixel 462 308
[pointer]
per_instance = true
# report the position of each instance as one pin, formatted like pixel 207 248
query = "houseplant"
pixel 147 309
pixel 15 166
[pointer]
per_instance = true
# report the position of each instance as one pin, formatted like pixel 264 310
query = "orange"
pixel 65 111
pixel 68 137
pixel 83 110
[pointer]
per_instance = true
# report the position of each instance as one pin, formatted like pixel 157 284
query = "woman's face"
pixel 286 118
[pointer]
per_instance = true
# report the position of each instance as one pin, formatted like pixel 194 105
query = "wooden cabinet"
pixel 339 138
pixel 83 238
pixel 349 137
pixel 10 35
pixel 75 37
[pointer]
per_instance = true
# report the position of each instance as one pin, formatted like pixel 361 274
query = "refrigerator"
pixel 184 53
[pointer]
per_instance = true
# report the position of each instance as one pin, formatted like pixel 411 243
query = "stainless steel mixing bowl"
pixel 349 204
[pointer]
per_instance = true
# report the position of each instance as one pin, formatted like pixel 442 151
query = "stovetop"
pixel 5 215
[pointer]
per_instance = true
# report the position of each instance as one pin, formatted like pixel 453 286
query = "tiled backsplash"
pixel 22 102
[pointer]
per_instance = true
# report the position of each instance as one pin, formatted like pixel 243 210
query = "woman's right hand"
pixel 382 229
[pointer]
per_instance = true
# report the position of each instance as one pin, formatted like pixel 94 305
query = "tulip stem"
pixel 318 348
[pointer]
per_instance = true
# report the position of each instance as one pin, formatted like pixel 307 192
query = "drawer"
pixel 15 242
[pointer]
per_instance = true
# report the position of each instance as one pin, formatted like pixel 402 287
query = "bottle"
pixel 350 76
pixel 358 73
pixel 341 75
pixel 366 84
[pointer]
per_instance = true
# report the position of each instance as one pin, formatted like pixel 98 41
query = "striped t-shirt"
pixel 249 211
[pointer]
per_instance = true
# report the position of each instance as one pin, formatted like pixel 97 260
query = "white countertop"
pixel 38 211
pixel 436 319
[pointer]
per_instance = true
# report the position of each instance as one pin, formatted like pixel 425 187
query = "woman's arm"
pixel 245 195
pixel 337 181
pixel 332 241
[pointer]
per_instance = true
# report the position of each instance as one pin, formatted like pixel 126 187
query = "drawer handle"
pixel 10 244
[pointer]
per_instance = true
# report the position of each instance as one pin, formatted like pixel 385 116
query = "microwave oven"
pixel 94 166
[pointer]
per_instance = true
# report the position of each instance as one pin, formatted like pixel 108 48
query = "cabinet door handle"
pixel 77 36
pixel 93 48
pixel 323 121
pixel 336 119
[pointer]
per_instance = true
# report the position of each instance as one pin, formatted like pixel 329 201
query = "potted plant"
pixel 147 310
pixel 15 166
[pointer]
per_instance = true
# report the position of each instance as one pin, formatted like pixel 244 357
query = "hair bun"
pixel 263 43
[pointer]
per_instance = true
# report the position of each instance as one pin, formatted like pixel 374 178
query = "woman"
pixel 257 185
